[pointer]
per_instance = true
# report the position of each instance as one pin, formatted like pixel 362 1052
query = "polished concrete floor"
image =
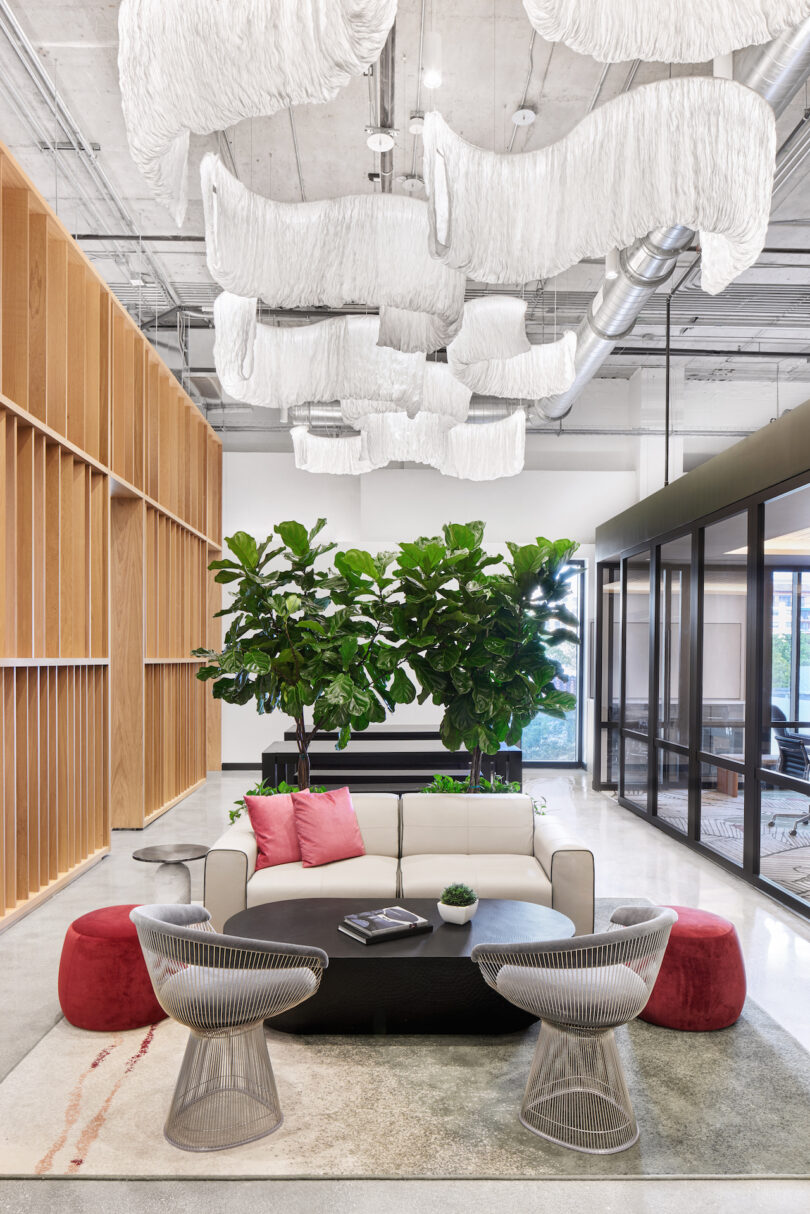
pixel 632 859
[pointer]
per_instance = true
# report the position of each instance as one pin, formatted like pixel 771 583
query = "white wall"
pixel 261 489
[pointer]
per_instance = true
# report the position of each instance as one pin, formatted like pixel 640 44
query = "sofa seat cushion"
pixel 359 877
pixel 496 876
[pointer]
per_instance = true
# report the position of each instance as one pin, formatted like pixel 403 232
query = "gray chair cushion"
pixel 208 998
pixel 593 997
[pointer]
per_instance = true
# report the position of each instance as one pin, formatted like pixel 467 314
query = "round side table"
pixel 172 878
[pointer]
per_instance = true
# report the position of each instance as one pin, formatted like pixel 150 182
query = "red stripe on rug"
pixel 72 1108
pixel 94 1126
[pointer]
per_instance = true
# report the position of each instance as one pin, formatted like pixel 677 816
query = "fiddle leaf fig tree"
pixel 302 637
pixel 479 639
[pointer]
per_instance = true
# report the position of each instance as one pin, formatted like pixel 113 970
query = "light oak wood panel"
pixel 25 528
pixel 82 394
pixel 38 545
pixel 37 313
pixel 15 294
pixel 75 354
pixel 56 336
pixel 126 661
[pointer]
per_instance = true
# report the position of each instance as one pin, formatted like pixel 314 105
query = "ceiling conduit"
pixel 776 72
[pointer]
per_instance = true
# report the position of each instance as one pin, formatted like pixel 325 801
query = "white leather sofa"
pixel 415 845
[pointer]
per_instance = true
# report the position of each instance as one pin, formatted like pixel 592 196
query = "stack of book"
pixel 388 923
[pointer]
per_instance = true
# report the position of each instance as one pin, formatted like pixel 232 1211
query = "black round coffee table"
pixel 420 984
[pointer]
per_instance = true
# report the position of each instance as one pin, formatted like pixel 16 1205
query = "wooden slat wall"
pixel 110 501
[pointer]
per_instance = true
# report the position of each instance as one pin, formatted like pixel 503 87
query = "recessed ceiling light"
pixel 136 280
pixel 524 116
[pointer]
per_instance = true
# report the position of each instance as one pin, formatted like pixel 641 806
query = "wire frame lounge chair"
pixel 222 988
pixel 582 989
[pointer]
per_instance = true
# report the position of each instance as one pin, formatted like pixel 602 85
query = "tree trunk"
pixel 303 770
pixel 303 755
pixel 475 769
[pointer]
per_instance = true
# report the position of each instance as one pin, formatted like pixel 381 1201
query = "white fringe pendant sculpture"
pixel 693 151
pixel 367 249
pixel 493 356
pixel 281 366
pixel 337 456
pixel 682 31
pixel 484 452
pixel 443 394
pixel 202 65
pixel 395 438
pixel 487 452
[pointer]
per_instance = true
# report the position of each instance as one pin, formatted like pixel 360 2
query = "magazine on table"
pixel 387 923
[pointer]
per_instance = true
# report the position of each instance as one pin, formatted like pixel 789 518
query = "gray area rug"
pixel 731 1103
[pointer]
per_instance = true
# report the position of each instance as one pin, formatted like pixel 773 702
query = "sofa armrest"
pixel 229 865
pixel 569 867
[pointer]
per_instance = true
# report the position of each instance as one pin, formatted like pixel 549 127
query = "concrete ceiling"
pixel 487 68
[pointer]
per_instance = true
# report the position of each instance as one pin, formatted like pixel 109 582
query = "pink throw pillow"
pixel 273 823
pixel 327 827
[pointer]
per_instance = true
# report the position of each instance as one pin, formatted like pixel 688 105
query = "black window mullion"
pixel 753 697
pixel 795 644
pixel 622 661
pixel 652 694
pixel 695 682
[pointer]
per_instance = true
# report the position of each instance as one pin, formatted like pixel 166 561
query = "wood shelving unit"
pixel 110 510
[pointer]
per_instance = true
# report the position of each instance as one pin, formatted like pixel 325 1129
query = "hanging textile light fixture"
pixel 337 456
pixel 367 249
pixel 493 356
pixel 470 452
pixel 694 151
pixel 681 31
pixel 202 65
pixel 281 366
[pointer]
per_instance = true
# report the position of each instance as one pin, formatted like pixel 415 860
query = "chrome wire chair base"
pixel 226 1092
pixel 576 1095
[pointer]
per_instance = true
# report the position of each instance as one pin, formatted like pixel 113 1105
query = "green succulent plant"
pixel 458 895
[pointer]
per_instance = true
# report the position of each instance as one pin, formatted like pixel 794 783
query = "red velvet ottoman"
pixel 103 981
pixel 701 983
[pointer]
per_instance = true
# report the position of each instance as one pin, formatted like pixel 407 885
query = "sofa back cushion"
pixel 467 824
pixel 273 823
pixel 327 828
pixel 378 819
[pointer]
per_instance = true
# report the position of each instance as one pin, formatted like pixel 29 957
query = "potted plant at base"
pixel 458 903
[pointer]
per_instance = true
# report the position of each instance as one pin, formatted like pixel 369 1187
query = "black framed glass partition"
pixel 702 663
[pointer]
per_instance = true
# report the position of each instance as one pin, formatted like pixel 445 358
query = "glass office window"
pixel 637 644
pixel 784 810
pixel 548 739
pixel 724 624
pixel 722 811
pixel 636 760
pixel 674 640
pixel 673 789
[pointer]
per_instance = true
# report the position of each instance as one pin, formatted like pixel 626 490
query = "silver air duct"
pixel 775 71
pixel 482 409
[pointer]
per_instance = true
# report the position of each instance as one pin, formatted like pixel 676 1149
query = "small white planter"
pixel 457 914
